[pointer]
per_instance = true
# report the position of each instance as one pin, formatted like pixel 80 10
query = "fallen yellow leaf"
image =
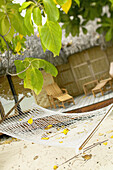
pixel 80 132
pixel 60 141
pixel 110 131
pixel 20 119
pixel 55 167
pixel 105 143
pixel 65 131
pixel 45 138
pixel 30 121
pixel 58 129
pixel 48 127
pixel 111 136
pixel 87 157
pixel 100 134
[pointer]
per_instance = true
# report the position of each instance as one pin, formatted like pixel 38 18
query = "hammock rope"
pixel 48 127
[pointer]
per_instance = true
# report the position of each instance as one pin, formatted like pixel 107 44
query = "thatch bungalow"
pixel 81 60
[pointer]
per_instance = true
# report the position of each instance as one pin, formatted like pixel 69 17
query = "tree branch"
pixel 20 72
pixel 34 1
pixel 7 50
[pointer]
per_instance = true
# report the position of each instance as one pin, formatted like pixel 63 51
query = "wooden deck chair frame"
pixel 101 86
pixel 54 93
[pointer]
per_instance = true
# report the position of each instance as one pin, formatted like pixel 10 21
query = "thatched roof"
pixel 70 45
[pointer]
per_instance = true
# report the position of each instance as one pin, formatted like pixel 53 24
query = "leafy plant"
pixel 28 70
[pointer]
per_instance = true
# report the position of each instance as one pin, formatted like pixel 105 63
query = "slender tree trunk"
pixel 14 93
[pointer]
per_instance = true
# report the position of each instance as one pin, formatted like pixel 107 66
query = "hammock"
pixel 43 126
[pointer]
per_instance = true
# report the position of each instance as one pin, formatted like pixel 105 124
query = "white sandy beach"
pixel 24 155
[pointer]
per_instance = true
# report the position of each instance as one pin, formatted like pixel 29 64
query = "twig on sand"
pixel 85 149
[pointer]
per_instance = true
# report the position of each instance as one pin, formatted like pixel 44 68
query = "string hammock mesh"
pixel 48 127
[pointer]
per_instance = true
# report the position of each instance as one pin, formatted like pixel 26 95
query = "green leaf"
pixel 25 5
pixel 6 29
pixel 48 67
pixel 1 15
pixel 13 6
pixel 18 22
pixel 78 2
pixel 51 10
pixel 33 80
pixel 20 66
pixel 111 1
pixel 61 2
pixel 106 24
pixel 51 35
pixel 69 27
pixel 84 22
pixel 84 30
pixel 28 21
pixel 99 30
pixel 5 25
pixel 44 48
pixel 109 35
pixel 37 17
pixel 64 18
pixel 40 63
pixel 75 30
pixel 2 2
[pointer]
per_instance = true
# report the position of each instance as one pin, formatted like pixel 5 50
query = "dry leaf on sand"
pixel 30 121
pixel 36 157
pixel 100 134
pixel 87 157
pixel 105 143
pixel 65 131
pixel 48 127
pixel 110 131
pixel 45 138
pixel 55 167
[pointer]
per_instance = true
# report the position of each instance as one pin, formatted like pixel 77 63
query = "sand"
pixel 24 155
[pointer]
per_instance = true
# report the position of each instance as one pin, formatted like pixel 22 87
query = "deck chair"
pixel 55 93
pixel 101 86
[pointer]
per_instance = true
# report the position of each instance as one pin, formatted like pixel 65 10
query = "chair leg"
pixel 54 105
pixel 53 102
pixel 93 93
pixel 63 105
pixel 110 82
pixel 73 101
pixel 102 92
pixel 58 103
